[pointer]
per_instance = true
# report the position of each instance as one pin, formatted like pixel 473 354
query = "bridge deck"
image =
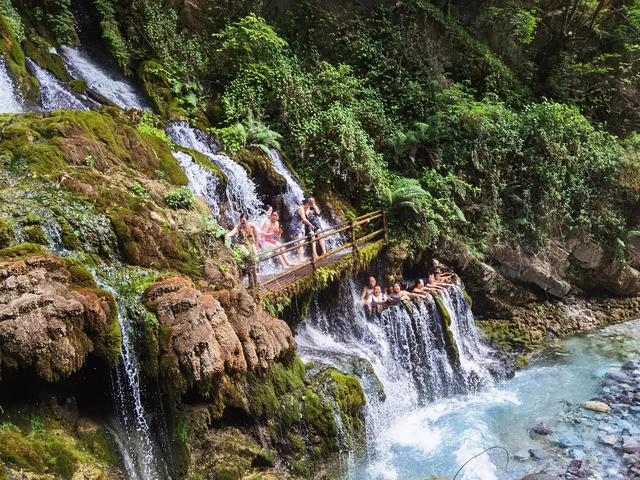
pixel 362 232
pixel 280 281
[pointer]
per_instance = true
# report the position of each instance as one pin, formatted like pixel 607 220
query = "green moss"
pixel 449 340
pixel 259 166
pixel 317 414
pixel 19 451
pixel 6 233
pixel 80 276
pixel 22 250
pixel 78 86
pixel 35 234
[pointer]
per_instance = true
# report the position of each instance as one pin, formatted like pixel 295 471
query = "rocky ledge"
pixel 52 316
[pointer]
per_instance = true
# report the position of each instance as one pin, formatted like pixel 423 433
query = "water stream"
pixel 106 84
pixel 10 100
pixel 53 93
pixel 241 195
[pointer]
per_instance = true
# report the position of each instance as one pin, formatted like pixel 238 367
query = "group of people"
pixel 374 295
pixel 304 224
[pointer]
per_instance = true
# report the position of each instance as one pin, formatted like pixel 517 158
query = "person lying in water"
pixel 398 294
pixel 421 290
pixel 367 291
pixel 434 284
pixel 271 233
pixel 441 277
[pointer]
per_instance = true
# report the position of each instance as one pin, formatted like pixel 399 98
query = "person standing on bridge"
pixel 299 224
pixel 314 218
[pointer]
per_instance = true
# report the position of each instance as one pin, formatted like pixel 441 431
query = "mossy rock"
pixel 258 164
pixel 21 250
pixel 156 83
pixel 6 233
pixel 14 59
pixel 35 234
pixel 39 51
pixel 51 142
pixel 451 345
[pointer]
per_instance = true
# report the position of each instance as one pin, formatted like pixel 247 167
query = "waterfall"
pixel 241 192
pixel 294 194
pixel 407 348
pixel 53 93
pixel 10 100
pixel 201 181
pixel 132 428
pixel 103 82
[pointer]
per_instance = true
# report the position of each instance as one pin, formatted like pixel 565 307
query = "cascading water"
pixel 407 349
pixel 294 194
pixel 106 83
pixel 241 191
pixel 53 94
pixel 201 181
pixel 10 101
pixel 133 432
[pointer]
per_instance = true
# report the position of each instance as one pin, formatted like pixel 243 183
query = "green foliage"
pixel 262 137
pixel 181 197
pixel 148 125
pixel 139 189
pixel 8 11
pixel 233 138
pixel 522 21
pixel 111 33
pixel 88 161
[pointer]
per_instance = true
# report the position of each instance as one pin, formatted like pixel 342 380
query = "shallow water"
pixel 438 438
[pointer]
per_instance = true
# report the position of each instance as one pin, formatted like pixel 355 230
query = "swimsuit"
pixel 268 235
pixel 297 226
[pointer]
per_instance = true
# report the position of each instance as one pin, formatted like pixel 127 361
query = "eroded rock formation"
pixel 49 323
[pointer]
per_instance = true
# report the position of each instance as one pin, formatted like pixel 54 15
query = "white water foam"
pixel 10 99
pixel 108 83
pixel 53 94
pixel 201 181
pixel 241 191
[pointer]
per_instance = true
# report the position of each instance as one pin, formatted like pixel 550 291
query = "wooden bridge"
pixel 343 240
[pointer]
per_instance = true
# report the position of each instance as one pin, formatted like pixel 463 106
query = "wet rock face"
pixel 209 336
pixel 49 324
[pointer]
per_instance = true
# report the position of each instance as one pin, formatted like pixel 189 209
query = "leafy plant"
pixel 180 198
pixel 139 189
pixel 88 161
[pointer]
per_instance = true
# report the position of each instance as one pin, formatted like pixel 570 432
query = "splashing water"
pixel 201 181
pixel 53 93
pixel 107 83
pixel 294 194
pixel 10 100
pixel 406 348
pixel 134 433
pixel 241 191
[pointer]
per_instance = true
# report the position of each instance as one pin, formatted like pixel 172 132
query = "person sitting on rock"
pixel 367 291
pixel 271 233
pixel 398 294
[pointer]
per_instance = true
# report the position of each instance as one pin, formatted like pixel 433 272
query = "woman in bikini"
pixel 271 232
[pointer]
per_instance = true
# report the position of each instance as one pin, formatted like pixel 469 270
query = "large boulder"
pixel 48 322
pixel 544 269
pixel 214 333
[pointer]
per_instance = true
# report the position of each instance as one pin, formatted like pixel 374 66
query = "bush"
pixel 180 198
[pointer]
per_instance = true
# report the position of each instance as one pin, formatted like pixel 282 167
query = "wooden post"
pixel 354 247
pixel 385 226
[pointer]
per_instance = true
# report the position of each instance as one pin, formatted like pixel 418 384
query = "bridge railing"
pixel 368 227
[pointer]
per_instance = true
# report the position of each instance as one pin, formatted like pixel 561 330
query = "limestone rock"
pixel 49 324
pixel 543 270
pixel 596 406
pixel 214 333
pixel 630 445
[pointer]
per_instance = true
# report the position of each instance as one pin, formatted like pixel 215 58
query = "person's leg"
pixel 323 246
pixel 300 250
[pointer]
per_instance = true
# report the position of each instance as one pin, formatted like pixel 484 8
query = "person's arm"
pixel 315 207
pixel 256 235
pixel 304 218
pixel 364 295
pixel 229 234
